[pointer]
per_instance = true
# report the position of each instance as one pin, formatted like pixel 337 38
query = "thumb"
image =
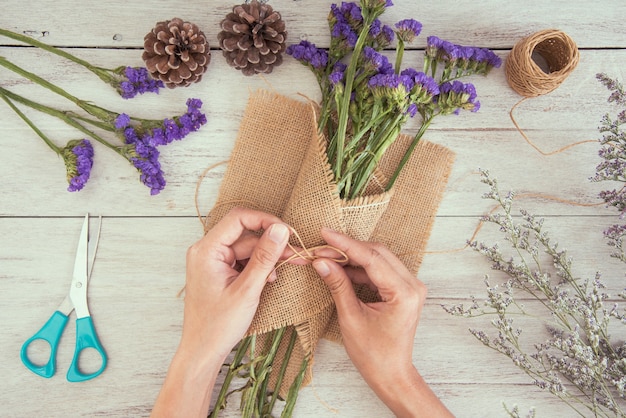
pixel 264 257
pixel 339 284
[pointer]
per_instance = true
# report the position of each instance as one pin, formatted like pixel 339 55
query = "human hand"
pixel 220 301
pixel 378 336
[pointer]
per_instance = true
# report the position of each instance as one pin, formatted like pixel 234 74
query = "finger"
pixel 339 285
pixel 359 276
pixel 238 220
pixel 264 257
pixel 372 257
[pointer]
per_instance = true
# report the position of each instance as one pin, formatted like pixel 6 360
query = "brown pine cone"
pixel 253 38
pixel 176 52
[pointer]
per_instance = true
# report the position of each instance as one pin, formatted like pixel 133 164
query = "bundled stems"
pixel 257 400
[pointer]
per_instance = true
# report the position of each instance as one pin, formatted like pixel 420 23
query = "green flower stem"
pixel 294 389
pixel 342 125
pixel 30 123
pixel 61 115
pixel 399 55
pixel 281 375
pixel 97 111
pixel 103 73
pixel 425 124
pixel 232 372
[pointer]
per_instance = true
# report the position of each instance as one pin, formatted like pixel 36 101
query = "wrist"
pixel 406 394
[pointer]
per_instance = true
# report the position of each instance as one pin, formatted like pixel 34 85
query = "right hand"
pixel 378 336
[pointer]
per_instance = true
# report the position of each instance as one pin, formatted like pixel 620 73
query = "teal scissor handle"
pixel 86 337
pixel 51 333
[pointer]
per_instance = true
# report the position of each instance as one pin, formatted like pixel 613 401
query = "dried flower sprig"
pixel 139 137
pixel 366 100
pixel 613 165
pixel 579 362
pixel 128 81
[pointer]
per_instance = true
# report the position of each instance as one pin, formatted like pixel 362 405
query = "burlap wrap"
pixel 278 165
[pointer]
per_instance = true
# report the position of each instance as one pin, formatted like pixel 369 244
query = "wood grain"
pixel 141 259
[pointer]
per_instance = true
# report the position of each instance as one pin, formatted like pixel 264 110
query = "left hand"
pixel 221 301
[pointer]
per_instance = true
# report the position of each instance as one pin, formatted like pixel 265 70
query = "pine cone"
pixel 176 52
pixel 253 38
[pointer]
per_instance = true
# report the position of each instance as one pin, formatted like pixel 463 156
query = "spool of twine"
pixel 526 77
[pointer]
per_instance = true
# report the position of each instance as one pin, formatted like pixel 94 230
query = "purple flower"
pixel 150 174
pixel 122 121
pixel 78 157
pixel 455 95
pixel 137 80
pixel 339 71
pixel 408 29
pixel 379 62
pixel 424 86
pixel 472 59
pixel 412 110
pixel 345 32
pixel 388 34
pixel 308 54
pixel 376 28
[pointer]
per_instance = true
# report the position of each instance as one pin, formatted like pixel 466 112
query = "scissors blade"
pixel 78 291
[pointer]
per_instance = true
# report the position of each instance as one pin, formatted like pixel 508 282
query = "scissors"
pixel 76 299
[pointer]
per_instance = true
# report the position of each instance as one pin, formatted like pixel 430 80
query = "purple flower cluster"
pixel 78 157
pixel 408 29
pixel 377 61
pixel 456 95
pixel 346 21
pixel 425 83
pixel 137 80
pixel 308 54
pixel 143 153
pixel 439 49
pixel 390 81
pixel 338 74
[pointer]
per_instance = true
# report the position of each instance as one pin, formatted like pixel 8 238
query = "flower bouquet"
pixel 341 164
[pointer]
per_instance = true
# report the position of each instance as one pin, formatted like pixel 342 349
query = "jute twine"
pixel 528 79
pixel 556 48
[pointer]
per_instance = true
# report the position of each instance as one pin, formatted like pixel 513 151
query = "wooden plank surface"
pixel 140 266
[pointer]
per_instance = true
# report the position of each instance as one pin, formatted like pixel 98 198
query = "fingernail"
pixel 279 233
pixel 321 267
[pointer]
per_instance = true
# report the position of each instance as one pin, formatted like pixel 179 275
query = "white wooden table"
pixel 141 259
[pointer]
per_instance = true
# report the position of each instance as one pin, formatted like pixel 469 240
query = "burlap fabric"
pixel 278 165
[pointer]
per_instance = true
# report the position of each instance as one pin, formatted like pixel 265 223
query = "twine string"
pixel 301 252
pixel 528 79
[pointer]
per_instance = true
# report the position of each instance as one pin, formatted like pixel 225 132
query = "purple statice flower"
pixel 393 89
pixel 344 31
pixel 379 62
pixel 455 95
pixel 424 86
pixel 375 28
pixel 78 158
pixel 408 29
pixel 391 81
pixel 412 110
pixel 388 34
pixel 150 174
pixel 308 54
pixel 338 74
pixel 122 121
pixel 467 58
pixel 144 156
pixel 137 80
